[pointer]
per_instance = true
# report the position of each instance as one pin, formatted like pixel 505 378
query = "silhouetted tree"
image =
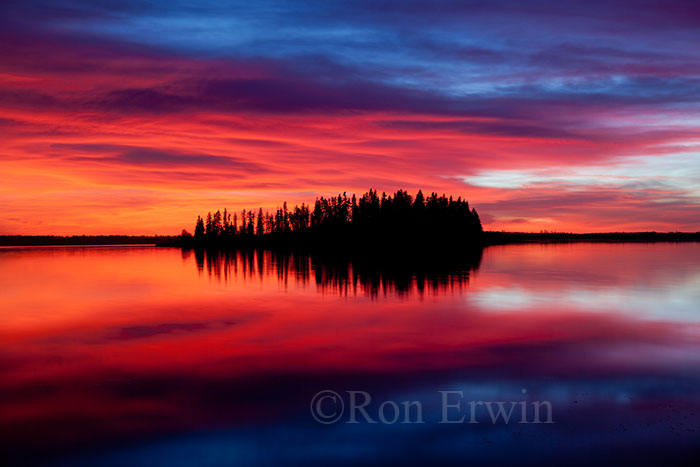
pixel 209 226
pixel 251 225
pixel 244 217
pixel 199 229
pixel 216 224
pixel 260 228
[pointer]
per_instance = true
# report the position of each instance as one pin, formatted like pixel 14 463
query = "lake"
pixel 137 355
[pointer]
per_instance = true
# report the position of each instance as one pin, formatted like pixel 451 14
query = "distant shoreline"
pixel 489 238
pixel 503 238
pixel 85 240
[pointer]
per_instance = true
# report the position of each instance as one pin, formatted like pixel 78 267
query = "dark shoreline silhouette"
pixel 396 222
pixel 49 240
pixel 387 225
pixel 489 238
pixel 505 238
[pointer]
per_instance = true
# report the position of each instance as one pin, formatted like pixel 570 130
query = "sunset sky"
pixel 126 117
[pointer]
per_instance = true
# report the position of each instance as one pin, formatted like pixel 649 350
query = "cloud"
pixel 140 156
pixel 241 107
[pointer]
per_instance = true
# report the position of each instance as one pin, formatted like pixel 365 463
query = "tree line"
pixel 398 217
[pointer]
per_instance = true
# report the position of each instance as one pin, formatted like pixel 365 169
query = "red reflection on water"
pixel 105 342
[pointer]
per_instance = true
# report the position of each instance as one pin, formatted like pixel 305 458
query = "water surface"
pixel 155 356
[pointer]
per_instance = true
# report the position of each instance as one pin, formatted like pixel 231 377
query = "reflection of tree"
pixel 343 274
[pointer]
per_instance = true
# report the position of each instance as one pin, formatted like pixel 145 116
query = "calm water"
pixel 153 356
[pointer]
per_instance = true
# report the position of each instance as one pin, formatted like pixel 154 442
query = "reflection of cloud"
pixel 182 353
pixel 656 282
pixel 678 302
pixel 139 331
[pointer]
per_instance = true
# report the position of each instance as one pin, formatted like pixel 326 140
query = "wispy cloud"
pixel 200 106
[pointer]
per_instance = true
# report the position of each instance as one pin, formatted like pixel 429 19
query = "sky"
pixel 125 117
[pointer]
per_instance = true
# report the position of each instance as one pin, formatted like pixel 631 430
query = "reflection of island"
pixel 371 245
pixel 344 274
